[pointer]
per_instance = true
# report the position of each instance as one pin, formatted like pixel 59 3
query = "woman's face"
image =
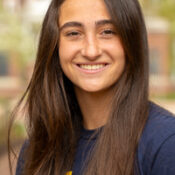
pixel 91 54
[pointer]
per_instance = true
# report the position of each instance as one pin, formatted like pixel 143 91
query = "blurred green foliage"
pixel 168 96
pixel 17 42
pixel 18 131
pixel 166 10
pixel 16 38
pixel 163 8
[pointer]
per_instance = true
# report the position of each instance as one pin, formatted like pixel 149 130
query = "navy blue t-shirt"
pixel 156 149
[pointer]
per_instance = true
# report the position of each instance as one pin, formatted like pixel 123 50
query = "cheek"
pixel 117 53
pixel 116 49
pixel 67 51
pixel 63 54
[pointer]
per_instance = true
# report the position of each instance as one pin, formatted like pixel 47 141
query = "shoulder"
pixel 21 158
pixel 160 124
pixel 157 142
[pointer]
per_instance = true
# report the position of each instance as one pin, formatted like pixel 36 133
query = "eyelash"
pixel 72 34
pixel 106 32
pixel 109 32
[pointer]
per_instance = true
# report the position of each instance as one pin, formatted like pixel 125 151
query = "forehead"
pixel 83 10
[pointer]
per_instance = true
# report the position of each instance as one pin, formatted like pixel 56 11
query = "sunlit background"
pixel 20 23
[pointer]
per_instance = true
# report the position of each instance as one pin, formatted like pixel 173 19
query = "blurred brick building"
pixel 160 59
pixel 30 12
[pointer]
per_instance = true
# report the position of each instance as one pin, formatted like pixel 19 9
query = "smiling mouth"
pixel 92 66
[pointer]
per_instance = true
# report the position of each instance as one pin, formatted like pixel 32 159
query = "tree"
pixel 15 38
pixel 165 9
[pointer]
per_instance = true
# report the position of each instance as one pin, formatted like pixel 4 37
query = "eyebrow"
pixel 104 22
pixel 78 24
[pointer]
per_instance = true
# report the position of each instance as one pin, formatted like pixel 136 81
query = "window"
pixel 3 64
pixel 155 57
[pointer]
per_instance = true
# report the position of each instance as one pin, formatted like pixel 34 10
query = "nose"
pixel 91 49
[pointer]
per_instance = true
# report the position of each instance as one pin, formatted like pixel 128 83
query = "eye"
pixel 108 32
pixel 72 33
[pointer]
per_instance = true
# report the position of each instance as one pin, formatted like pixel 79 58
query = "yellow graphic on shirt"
pixel 69 173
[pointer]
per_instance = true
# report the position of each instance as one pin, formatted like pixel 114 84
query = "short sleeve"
pixel 164 161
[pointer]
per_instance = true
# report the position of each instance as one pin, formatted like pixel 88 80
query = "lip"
pixel 91 71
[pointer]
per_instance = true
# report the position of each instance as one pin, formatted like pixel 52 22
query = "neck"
pixel 95 107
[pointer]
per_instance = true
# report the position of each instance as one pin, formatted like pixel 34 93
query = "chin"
pixel 92 88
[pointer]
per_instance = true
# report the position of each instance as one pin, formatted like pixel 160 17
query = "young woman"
pixel 87 102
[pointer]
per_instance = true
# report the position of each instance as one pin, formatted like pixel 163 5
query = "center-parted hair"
pixel 53 114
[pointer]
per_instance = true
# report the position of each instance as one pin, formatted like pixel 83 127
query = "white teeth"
pixel 92 67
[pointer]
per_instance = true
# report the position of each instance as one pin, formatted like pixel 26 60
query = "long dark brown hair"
pixel 53 114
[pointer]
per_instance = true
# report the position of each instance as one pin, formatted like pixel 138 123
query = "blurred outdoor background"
pixel 20 23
